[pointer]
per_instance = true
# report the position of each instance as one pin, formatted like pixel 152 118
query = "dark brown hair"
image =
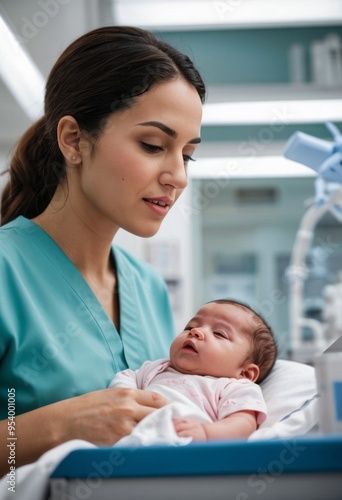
pixel 264 347
pixel 101 72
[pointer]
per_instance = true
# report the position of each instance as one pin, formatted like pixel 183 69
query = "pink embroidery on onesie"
pixel 188 389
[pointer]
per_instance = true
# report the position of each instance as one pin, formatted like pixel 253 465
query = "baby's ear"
pixel 251 372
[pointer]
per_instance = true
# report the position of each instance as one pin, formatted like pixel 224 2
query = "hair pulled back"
pixel 99 73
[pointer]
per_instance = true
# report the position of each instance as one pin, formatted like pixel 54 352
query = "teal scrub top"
pixel 56 340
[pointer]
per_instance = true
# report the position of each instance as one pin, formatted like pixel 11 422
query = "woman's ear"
pixel 68 136
pixel 251 372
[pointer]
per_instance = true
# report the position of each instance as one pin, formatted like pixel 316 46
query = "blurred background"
pixel 272 67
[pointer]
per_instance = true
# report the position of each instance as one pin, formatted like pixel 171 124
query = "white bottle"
pixel 297 63
pixel 317 59
pixel 333 57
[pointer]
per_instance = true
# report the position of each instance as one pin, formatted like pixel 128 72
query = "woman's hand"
pixel 101 417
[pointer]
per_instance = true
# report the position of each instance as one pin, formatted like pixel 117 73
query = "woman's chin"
pixel 147 231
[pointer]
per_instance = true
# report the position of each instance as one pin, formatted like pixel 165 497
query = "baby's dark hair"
pixel 264 347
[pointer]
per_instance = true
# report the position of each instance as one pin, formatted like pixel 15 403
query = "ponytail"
pixel 34 175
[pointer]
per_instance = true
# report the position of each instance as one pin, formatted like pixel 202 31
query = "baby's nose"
pixel 197 332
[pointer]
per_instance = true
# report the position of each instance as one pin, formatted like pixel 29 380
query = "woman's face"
pixel 137 169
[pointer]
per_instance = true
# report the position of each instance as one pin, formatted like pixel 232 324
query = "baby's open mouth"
pixel 189 346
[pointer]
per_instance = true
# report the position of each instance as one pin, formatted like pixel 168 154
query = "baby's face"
pixel 213 342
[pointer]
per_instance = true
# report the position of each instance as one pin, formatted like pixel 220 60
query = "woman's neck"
pixel 83 239
pixel 89 249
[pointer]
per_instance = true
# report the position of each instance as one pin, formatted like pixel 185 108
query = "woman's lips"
pixel 159 205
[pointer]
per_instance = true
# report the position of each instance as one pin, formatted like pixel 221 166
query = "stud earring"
pixel 74 158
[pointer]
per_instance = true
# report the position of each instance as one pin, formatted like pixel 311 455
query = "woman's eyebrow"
pixel 169 131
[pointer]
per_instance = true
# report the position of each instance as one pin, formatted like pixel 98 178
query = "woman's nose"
pixel 196 332
pixel 175 174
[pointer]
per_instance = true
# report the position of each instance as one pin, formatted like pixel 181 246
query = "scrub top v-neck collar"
pixel 70 273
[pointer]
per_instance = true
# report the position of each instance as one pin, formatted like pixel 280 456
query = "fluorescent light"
pixel 173 14
pixel 20 74
pixel 247 167
pixel 273 112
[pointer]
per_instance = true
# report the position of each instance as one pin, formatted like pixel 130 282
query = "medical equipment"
pixel 326 159
pixel 305 469
pixel 322 156
pixel 328 369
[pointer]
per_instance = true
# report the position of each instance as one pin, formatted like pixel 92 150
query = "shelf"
pixel 247 167
pixel 232 149
pixel 270 92
pixel 272 105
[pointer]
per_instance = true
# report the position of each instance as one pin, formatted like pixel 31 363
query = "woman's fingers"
pixel 137 404
pixel 105 416
pixel 150 399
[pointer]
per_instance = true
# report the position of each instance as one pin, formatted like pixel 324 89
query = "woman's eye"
pixel 188 158
pixel 151 148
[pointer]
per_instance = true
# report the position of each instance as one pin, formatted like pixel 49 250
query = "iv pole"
pixel 326 159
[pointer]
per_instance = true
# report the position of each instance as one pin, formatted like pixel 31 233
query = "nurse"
pixel 122 121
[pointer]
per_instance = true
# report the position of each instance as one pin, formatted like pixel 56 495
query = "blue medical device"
pixel 323 156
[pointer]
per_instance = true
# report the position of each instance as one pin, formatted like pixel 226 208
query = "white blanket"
pixel 31 482
pixel 157 428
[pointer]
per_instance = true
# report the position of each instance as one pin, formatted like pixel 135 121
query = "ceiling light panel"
pixel 194 14
pixel 20 74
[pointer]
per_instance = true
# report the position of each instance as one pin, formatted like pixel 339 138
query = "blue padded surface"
pixel 306 454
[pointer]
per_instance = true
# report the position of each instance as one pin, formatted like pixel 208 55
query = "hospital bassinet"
pixel 306 468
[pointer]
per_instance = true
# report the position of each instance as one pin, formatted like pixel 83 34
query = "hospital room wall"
pixel 243 263
pixel 251 55
pixel 245 237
